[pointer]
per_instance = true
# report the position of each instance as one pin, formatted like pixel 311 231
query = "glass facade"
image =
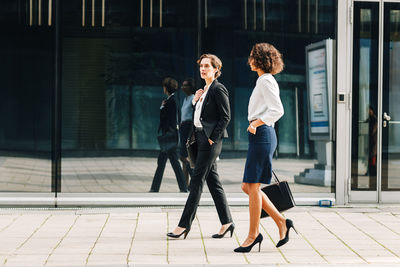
pixel 114 56
pixel 27 53
pixel 365 101
pixel 391 98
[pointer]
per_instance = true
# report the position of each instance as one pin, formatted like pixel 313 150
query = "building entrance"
pixel 375 151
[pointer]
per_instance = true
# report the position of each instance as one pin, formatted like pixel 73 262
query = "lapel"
pixel 208 95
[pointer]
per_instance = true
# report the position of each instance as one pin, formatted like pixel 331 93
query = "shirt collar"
pixel 171 95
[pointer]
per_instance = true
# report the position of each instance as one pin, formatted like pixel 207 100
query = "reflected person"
pixel 186 125
pixel 168 124
pixel 264 109
pixel 210 119
pixel 372 148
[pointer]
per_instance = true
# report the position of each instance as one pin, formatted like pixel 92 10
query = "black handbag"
pixel 280 195
pixel 191 148
pixel 168 140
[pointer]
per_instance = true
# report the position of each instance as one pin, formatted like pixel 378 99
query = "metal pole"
pixel 308 15
pixel 199 37
pixel 93 12
pixel 50 12
pixel 297 123
pixel 83 13
pixel 56 120
pixel 103 13
pixel 380 100
pixel 141 13
pixel 255 15
pixel 151 13
pixel 263 14
pixel 160 13
pixel 30 13
pixel 299 16
pixel 316 16
pixel 245 14
pixel 205 14
pixel 40 13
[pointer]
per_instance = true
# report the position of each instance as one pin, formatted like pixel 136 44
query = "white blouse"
pixel 198 108
pixel 265 103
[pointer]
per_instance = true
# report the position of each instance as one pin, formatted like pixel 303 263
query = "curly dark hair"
pixel 266 57
pixel 215 62
pixel 171 85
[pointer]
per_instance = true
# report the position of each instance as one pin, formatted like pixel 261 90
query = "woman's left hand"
pixel 210 141
pixel 252 129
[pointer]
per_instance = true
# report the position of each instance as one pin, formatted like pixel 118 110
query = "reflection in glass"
pixel 111 97
pixel 365 97
pixel 26 52
pixel 391 99
pixel 111 79
pixel 243 26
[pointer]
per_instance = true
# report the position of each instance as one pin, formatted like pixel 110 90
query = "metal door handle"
pixel 386 116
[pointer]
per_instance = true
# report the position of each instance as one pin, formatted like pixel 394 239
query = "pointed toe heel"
pixel 247 249
pixel 230 229
pixel 184 233
pixel 289 224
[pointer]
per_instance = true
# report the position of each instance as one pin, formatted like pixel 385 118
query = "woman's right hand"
pixel 198 95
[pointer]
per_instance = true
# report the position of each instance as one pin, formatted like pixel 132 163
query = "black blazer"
pixel 168 115
pixel 215 113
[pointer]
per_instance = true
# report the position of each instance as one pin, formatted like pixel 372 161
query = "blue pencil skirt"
pixel 262 146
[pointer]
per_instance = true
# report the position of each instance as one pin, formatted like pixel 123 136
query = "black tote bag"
pixel 168 140
pixel 280 195
pixel 191 147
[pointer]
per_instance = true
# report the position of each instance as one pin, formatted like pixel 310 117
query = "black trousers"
pixel 184 131
pixel 172 155
pixel 205 170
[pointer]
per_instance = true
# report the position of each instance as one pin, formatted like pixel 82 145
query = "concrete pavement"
pixel 353 235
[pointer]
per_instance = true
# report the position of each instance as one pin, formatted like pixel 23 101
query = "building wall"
pixel 112 73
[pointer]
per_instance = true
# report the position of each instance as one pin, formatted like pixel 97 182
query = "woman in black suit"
pixel 168 123
pixel 210 119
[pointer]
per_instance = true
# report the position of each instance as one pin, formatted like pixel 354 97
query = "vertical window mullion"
pixel 103 12
pixel 93 13
pixel 161 14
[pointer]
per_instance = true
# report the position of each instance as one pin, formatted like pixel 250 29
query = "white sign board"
pixel 319 88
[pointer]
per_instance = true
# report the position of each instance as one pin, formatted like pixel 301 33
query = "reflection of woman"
pixel 265 108
pixel 168 122
pixel 211 117
pixel 186 125
pixel 372 152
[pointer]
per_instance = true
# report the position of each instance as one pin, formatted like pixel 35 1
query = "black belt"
pixel 198 129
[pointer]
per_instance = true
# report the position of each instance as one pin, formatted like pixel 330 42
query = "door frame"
pixel 347 57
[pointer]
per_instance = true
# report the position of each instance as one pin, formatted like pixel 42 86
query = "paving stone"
pixel 115 238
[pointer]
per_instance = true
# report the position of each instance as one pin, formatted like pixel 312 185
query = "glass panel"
pixel 112 74
pixel 391 99
pixel 365 96
pixel 27 53
pixel 233 27
pixel 112 89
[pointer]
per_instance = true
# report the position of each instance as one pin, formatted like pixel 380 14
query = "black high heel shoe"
pixel 258 240
pixel 231 228
pixel 184 233
pixel 289 224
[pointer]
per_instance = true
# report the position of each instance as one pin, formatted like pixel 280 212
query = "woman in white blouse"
pixel 265 108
